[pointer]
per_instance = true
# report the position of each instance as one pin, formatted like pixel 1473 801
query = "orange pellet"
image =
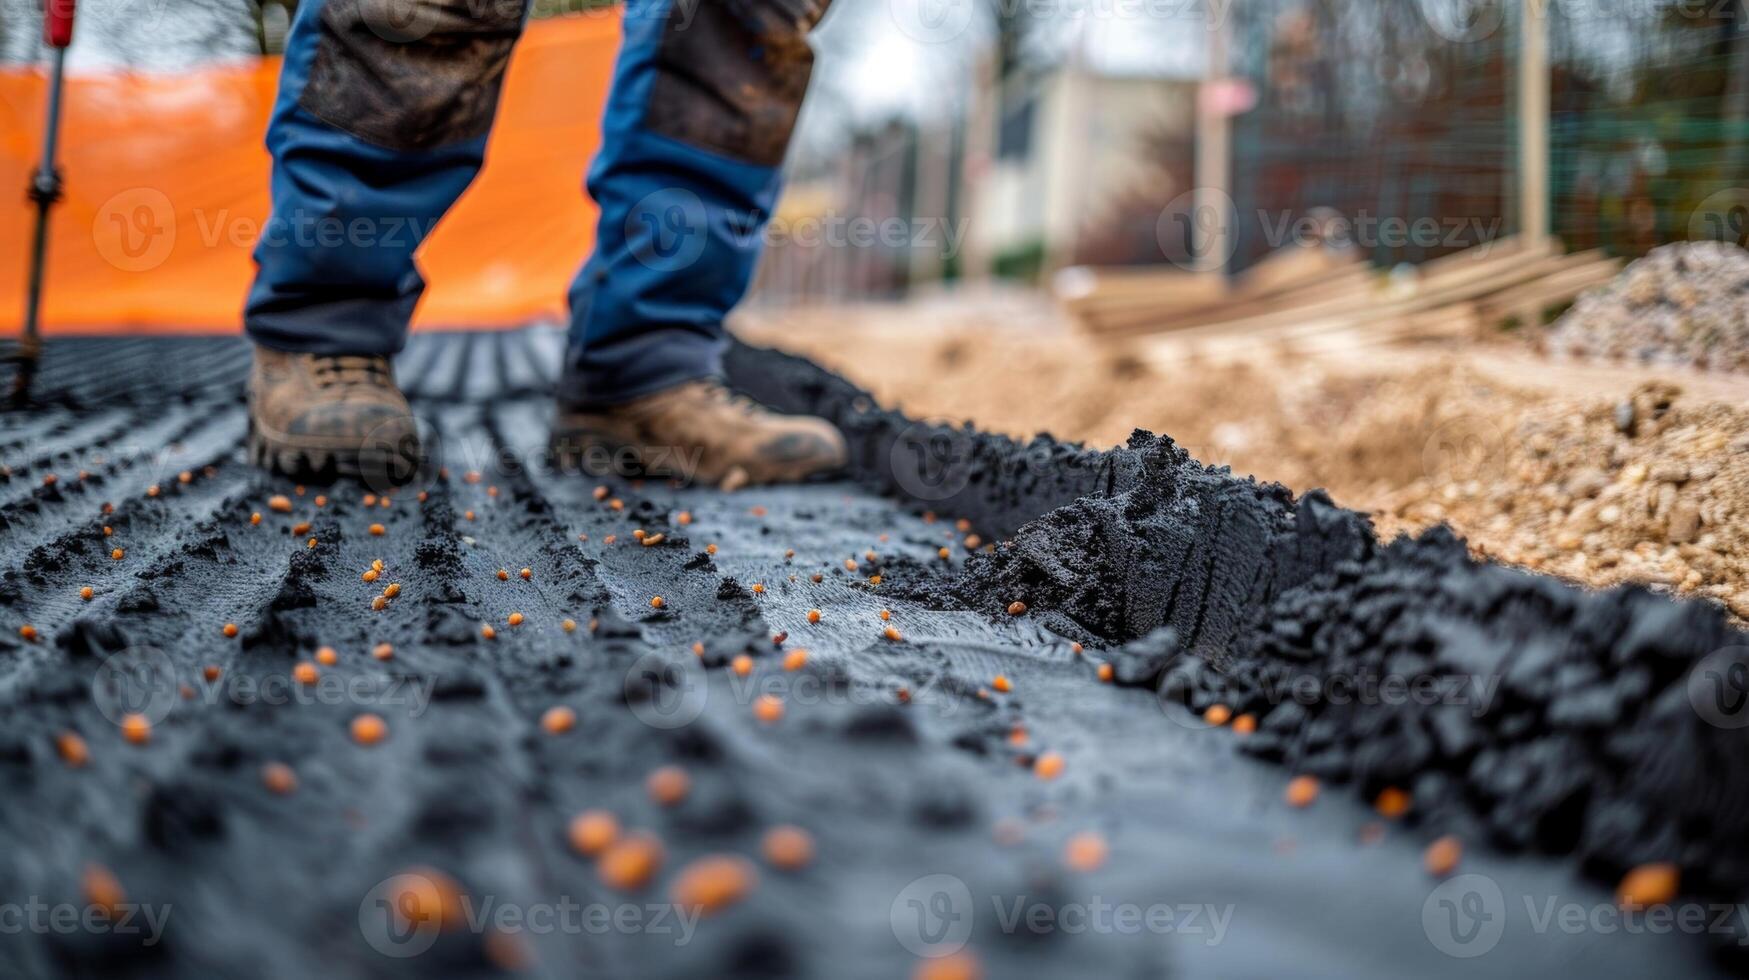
pixel 610 539
pixel 279 778
pixel 1075 648
pixel 391 590
pixel 1392 803
pixel 658 602
pixel 768 709
pixel 378 604
pixel 742 665
pixel 886 614
pixel 1001 683
pixel 255 518
pixel 368 729
pixel 376 565
pixel 1106 673
pixel 1301 791
pixel 1048 766
pixel 305 673
pixel 1244 724
pixel 377 530
pixel 327 657
pixel 211 672
pixel 310 543
pixel 874 580
pixel 569 626
pixel 467 515
pixel 795 660
pixel 1442 856
pixel 640 534
pixel 370 575
pixel 102 889
pixel 713 883
pixel 892 633
pixel 301 528
pixel 383 651
pixel 683 518
pixel 954 966
pixel 601 493
pixel 758 589
pixel 526 574
pixel 321 500
pixel 1649 885
pixel 616 504
pixel 710 549
pixel 1085 852
pixel 28 632
pixel 87 592
pixel 118 554
pixel 945 553
pixel 630 862
pixel 230 630
pixel 72 749
pixel 279 504
pixel 558 720
pixel 789 553
pixel 698 647
pixel 756 511
pixel 370 500
pixel 503 575
pixel 1217 715
pixel 108 531
pixel 487 632
pixel 973 541
pixel 515 619
pixel 136 728
pixel 592 832
pixel 424 896
pixel 813 615
pixel 1017 608
pixel 787 848
pixel 668 785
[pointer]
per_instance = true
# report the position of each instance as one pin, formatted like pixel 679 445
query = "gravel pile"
pixel 1684 304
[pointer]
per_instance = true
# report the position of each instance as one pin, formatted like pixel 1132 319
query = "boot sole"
pixel 316 465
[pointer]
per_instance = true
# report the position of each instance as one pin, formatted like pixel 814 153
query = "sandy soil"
pixel 1599 476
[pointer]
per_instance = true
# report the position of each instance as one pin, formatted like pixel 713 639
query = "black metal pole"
pixel 45 190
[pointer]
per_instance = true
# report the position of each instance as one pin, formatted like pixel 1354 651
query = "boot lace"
pixel 339 370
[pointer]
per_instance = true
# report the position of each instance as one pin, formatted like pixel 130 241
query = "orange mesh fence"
pixel 166 180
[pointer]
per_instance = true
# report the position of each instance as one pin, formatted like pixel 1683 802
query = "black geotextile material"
pixel 1559 720
pixel 1604 725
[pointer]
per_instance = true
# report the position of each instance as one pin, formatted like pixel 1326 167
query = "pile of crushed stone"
pixel 1686 303
pixel 1527 712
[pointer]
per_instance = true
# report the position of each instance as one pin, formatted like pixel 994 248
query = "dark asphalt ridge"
pixel 1133 542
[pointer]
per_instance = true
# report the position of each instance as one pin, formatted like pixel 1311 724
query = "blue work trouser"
pixel 383 112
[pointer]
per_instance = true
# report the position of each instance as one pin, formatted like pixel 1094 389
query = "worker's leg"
pixel 381 123
pixel 705 97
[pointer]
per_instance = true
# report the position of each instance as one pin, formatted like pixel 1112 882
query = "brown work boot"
pixel 329 416
pixel 699 432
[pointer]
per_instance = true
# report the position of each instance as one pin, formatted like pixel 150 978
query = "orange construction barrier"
pixel 167 190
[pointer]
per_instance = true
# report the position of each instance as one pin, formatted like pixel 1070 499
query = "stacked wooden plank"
pixel 1308 292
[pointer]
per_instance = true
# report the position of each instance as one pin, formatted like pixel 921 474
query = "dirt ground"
pixel 1599 476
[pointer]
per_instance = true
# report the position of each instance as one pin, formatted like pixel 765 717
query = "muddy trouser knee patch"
pixel 731 75
pixel 412 74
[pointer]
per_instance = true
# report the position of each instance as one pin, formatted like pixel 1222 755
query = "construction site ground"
pixel 1600 473
pixel 974 773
